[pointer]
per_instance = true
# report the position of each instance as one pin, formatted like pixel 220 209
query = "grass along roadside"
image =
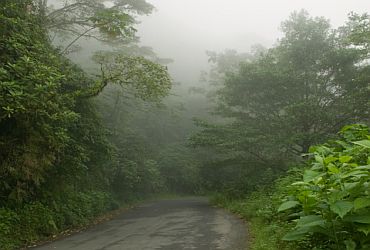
pixel 259 211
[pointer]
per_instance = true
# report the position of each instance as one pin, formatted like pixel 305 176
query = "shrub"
pixel 8 229
pixel 37 220
pixel 330 204
pixel 259 208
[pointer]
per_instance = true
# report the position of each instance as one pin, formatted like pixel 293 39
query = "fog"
pixel 115 121
pixel 184 29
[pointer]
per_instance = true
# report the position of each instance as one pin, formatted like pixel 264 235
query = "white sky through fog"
pixel 185 29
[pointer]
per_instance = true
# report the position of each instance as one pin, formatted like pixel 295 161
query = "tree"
pixel 132 67
pixel 301 91
pixel 35 106
pixel 110 22
pixel 358 31
pixel 290 97
pixel 149 80
pixel 49 128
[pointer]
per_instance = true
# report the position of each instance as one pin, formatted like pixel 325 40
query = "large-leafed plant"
pixel 331 204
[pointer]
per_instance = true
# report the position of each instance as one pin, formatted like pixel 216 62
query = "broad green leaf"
pixel 345 158
pixel 310 175
pixel 319 159
pixel 363 143
pixel 294 235
pixel 330 159
pixel 367 167
pixel 337 195
pixel 357 173
pixel 312 150
pixel 341 207
pixel 350 185
pixel 364 219
pixel 311 221
pixel 287 205
pixel 306 224
pixel 364 228
pixel 350 245
pixel 332 168
pixel 361 203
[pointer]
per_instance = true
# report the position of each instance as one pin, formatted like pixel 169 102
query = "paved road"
pixel 189 223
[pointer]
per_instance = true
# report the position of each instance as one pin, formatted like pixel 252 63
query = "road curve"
pixel 187 223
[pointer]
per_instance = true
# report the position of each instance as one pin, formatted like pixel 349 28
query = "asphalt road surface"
pixel 188 223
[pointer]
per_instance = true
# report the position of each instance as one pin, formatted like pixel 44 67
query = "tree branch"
pixel 76 39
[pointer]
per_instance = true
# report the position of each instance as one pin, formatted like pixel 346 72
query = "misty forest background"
pixel 91 121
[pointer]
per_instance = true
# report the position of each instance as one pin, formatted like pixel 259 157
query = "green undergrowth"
pixel 329 205
pixel 37 221
pixel 259 210
pixel 323 204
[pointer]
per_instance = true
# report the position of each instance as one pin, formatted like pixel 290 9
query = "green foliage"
pixel 93 19
pixel 358 28
pixel 332 199
pixel 112 23
pixel 239 162
pixel 35 106
pixel 179 169
pixel 328 202
pixel 259 209
pixel 137 173
pixel 285 97
pixel 149 80
pixel 78 208
pixel 60 167
pixel 38 220
pixel 8 220
pixel 325 205
pixel 274 104
pixel 134 179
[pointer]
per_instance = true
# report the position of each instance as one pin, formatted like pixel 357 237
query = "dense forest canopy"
pixel 80 139
pixel 43 131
